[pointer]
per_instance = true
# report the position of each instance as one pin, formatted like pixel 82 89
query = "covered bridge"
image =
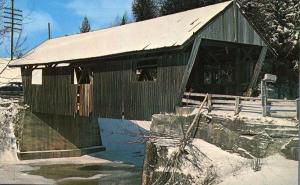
pixel 139 69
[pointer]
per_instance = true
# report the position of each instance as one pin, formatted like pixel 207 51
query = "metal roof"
pixel 162 32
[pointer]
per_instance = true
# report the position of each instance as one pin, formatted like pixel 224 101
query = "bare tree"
pixel 3 30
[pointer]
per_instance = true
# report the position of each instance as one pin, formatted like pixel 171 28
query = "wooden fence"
pixel 237 104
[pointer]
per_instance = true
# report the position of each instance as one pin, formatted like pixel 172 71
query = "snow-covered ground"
pixel 235 170
pixel 253 118
pixel 276 170
pixel 230 169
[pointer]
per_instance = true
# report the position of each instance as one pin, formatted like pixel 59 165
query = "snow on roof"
pixel 161 32
pixel 8 74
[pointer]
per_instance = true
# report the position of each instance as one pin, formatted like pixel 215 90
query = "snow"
pixel 252 118
pixel 231 169
pixel 13 174
pixel 8 147
pixel 9 74
pixel 224 162
pixel 234 170
pixel 276 170
pixel 162 32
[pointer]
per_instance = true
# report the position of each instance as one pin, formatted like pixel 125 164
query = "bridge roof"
pixel 162 32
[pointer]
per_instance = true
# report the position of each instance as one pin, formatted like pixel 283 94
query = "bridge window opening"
pixel 146 70
pixel 37 77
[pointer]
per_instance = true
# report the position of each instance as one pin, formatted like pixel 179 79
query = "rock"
pixel 184 111
pixel 256 145
pixel 282 132
pixel 243 152
pixel 291 149
pixel 223 137
pixel 169 125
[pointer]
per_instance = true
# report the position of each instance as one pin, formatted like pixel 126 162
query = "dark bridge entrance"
pixel 223 68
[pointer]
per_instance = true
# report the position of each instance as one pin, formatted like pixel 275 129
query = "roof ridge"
pixel 139 22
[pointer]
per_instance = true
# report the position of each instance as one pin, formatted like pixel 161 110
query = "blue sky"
pixel 65 17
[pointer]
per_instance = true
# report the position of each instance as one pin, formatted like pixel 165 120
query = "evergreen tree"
pixel 144 9
pixel 277 21
pixel 173 6
pixel 85 25
pixel 124 19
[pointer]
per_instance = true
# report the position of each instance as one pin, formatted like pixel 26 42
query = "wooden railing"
pixel 237 104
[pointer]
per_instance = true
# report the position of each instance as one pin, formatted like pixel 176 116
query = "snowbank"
pixel 8 113
pixel 235 170
pixel 205 163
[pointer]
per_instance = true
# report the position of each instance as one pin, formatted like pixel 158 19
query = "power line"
pixel 13 19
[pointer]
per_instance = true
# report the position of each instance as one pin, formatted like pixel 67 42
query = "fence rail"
pixel 237 104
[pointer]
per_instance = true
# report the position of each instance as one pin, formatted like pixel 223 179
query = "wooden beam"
pixel 257 71
pixel 247 53
pixel 189 68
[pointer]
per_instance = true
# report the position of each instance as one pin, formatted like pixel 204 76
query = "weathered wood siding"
pixel 55 96
pixel 117 91
pixel 231 26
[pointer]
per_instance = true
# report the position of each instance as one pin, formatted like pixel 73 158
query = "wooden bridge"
pixel 238 104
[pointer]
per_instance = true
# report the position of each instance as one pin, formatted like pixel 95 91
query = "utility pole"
pixel 49 31
pixel 12 31
pixel 13 21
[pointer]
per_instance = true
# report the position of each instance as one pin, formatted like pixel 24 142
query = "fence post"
pixel 209 103
pixel 263 98
pixel 298 108
pixel 237 105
